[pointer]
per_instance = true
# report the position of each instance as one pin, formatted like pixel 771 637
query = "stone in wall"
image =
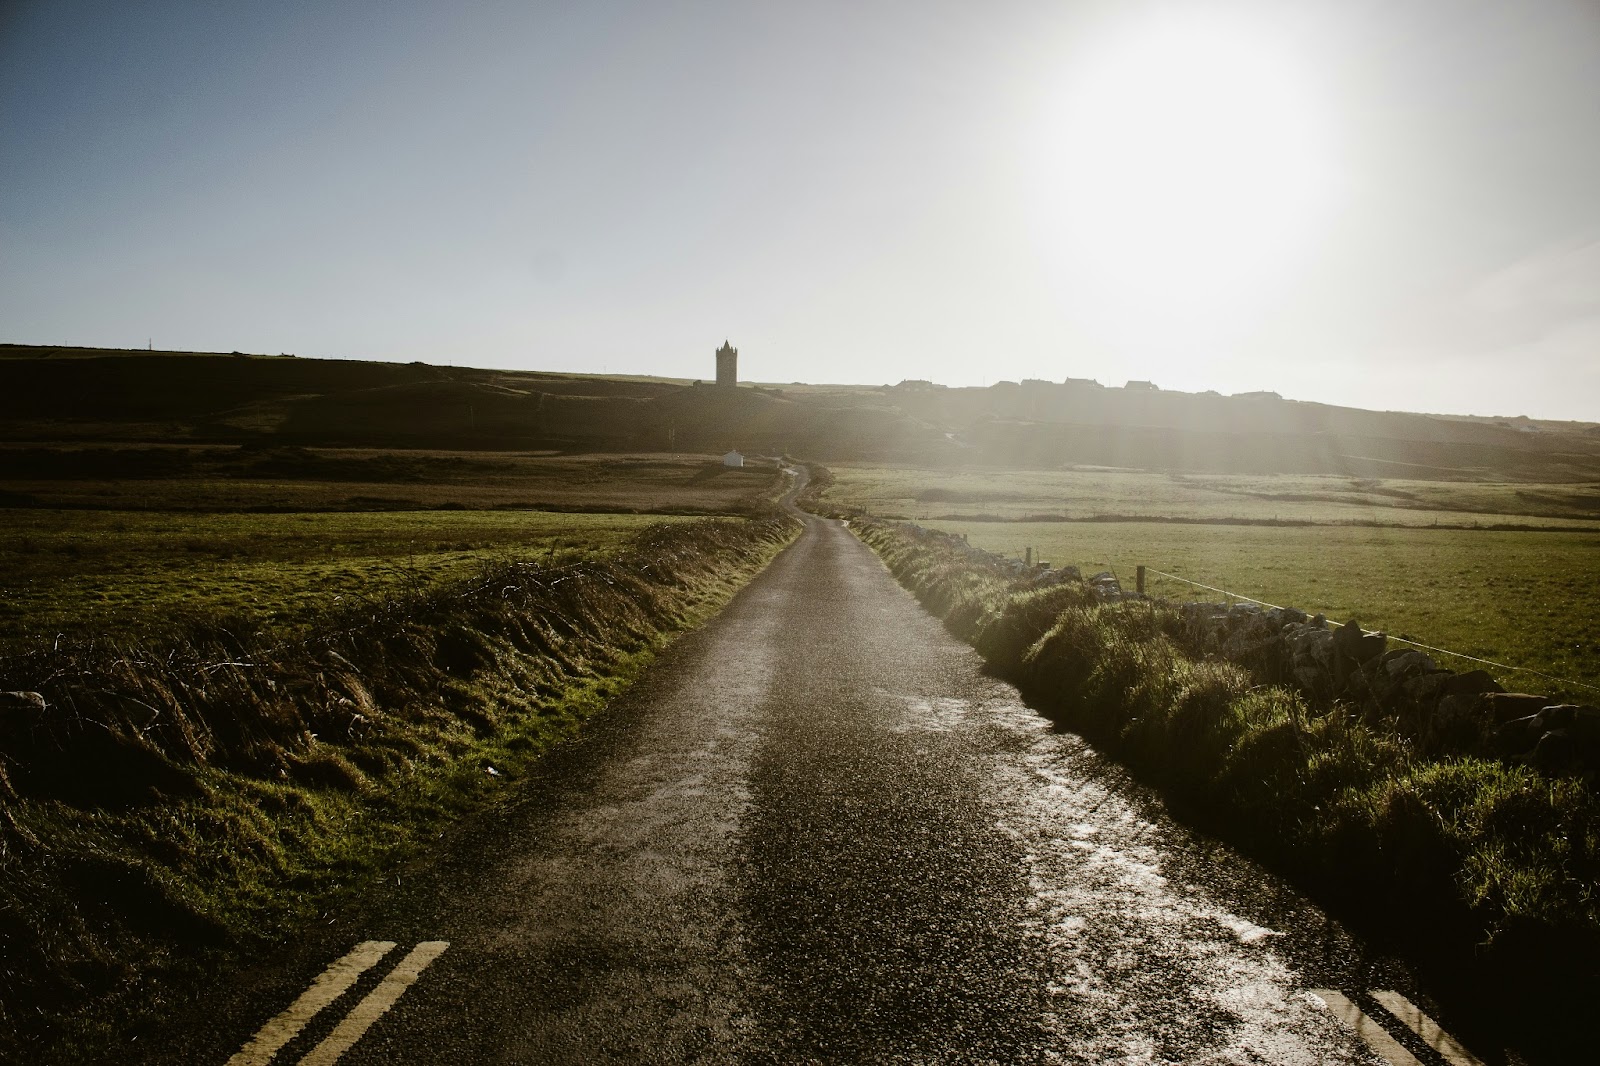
pixel 1440 711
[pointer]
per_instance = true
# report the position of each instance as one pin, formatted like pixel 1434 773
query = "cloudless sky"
pixel 1382 203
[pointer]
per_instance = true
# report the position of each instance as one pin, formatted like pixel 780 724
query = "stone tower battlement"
pixel 727 365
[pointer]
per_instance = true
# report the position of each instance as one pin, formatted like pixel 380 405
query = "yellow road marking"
pixel 1374 1035
pixel 329 986
pixel 378 1001
pixel 1427 1028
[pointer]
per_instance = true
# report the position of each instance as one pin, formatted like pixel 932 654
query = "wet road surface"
pixel 817 832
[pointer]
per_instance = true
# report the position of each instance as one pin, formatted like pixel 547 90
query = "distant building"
pixel 1090 382
pixel 1259 395
pixel 1141 386
pixel 727 365
pixel 733 459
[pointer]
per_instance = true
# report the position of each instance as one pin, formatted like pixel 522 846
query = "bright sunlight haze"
pixel 1391 206
pixel 1183 179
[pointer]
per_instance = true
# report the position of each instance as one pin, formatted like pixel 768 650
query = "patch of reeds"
pixel 1483 861
pixel 213 792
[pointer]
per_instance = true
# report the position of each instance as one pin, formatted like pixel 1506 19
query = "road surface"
pixel 816 831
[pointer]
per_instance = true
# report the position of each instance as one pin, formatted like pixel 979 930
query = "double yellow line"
pixel 1379 1040
pixel 332 983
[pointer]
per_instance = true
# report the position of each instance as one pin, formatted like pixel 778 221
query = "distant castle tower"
pixel 727 365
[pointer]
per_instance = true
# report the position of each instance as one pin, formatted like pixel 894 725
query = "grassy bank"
pixel 166 804
pixel 1517 598
pixel 1488 865
pixel 107 573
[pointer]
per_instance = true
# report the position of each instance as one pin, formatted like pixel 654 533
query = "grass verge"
pixel 1492 868
pixel 1517 598
pixel 164 807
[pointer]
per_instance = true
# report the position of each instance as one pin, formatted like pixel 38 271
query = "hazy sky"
pixel 1377 202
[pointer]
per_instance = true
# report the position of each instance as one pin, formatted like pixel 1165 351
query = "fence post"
pixel 1029 560
pixel 1138 580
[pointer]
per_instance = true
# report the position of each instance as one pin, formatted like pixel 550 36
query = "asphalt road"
pixel 816 831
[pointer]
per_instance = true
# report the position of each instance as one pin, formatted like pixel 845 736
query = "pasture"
pixel 1088 494
pixel 129 540
pixel 1519 598
pixel 121 572
pixel 210 478
pixel 274 575
pixel 1414 558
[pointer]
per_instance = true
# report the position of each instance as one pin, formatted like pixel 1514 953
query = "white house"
pixel 733 459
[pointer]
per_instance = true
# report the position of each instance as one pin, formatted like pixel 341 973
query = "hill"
pixel 89 395
pixel 76 395
pixel 1039 423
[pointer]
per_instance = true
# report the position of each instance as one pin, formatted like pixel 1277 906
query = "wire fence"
pixel 1402 640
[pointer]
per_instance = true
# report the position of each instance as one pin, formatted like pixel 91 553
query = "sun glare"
pixel 1181 177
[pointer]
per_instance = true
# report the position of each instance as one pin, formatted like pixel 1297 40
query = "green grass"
pixel 1088 494
pixel 1484 869
pixel 217 478
pixel 1371 550
pixel 277 779
pixel 250 861
pixel 118 572
pixel 1523 599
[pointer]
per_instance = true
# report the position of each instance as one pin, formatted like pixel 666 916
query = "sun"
pixel 1181 174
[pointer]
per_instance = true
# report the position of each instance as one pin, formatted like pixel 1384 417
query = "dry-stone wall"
pixel 1440 711
pixel 1038 575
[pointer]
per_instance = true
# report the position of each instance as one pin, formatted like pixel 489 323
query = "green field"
pixel 1401 556
pixel 128 539
pixel 1524 599
pixel 231 478
pixel 80 572
pixel 1087 494
pixel 161 511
